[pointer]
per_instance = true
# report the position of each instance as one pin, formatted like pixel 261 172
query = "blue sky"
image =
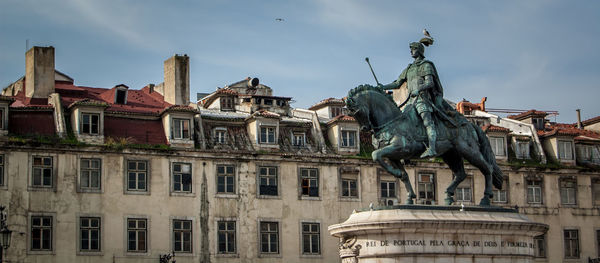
pixel 520 54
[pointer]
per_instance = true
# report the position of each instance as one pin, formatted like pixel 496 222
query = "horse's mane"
pixel 367 87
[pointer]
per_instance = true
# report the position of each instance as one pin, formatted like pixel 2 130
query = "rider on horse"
pixel 424 89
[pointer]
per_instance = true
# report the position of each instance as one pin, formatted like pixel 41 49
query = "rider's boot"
pixel 431 135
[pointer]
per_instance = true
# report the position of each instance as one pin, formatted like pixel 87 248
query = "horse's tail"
pixel 486 150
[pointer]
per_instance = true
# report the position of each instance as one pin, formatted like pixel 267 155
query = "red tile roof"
pixel 564 129
pixel 528 113
pixel 266 114
pixel 591 121
pixel 328 101
pixel 493 128
pixel 342 118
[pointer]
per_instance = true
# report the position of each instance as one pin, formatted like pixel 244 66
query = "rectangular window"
pixel 90 174
pixel 349 188
pixel 565 150
pixel 2 119
pixel 225 179
pixel 182 236
pixel 568 191
pixel 2 170
pixel 137 174
pixel 90 123
pixel 269 237
pixel 571 237
pixel 137 230
pixel 311 239
pixel 388 189
pixel 220 135
pixel 267 180
pixel 335 111
pixel 309 178
pixel 267 134
pixel 298 139
pixel 540 246
pixel 501 196
pixel 41 233
pixel 89 234
pixel 598 242
pixel 538 123
pixel 226 237
pixel 180 129
pixel 464 192
pixel 596 191
pixel 498 145
pixel 121 96
pixel 349 139
pixel 534 192
pixel 522 151
pixel 426 188
pixel 42 170
pixel 226 103
pixel 182 177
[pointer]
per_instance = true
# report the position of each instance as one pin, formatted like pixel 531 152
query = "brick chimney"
pixel 39 72
pixel 177 80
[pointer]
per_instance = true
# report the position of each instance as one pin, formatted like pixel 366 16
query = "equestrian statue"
pixel 426 127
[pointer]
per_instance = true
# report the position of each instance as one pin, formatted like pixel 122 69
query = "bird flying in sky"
pixel 279 19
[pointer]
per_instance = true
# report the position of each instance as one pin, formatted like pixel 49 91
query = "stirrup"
pixel 428 153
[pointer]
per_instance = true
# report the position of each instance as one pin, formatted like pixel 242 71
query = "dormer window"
pixel 267 134
pixel 565 150
pixel 180 128
pixel 335 111
pixel 220 135
pixel 90 123
pixel 538 123
pixel 298 139
pixel 348 139
pixel 268 102
pixel 227 103
pixel 498 145
pixel 121 95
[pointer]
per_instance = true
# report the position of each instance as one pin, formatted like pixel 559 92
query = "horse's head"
pixel 360 113
pixel 366 100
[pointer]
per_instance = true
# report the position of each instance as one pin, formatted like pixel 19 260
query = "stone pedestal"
pixel 415 233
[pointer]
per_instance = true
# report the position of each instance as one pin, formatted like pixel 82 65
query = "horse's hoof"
pixel 409 202
pixel 485 201
pixel 449 200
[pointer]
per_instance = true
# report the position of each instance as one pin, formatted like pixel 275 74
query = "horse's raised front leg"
pixel 398 171
pixel 455 163
pixel 410 195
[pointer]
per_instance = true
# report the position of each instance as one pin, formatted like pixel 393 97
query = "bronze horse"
pixel 399 135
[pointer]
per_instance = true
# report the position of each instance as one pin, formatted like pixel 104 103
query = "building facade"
pixel 122 175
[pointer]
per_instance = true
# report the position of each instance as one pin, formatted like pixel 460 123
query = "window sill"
pixel 84 253
pixel 311 255
pixel 183 194
pixel 225 255
pixel 184 254
pixel 310 198
pixel 136 254
pixel 226 195
pixel 90 191
pixel 130 192
pixel 271 255
pixel 41 189
pixel 41 252
pixel 349 199
pixel 268 196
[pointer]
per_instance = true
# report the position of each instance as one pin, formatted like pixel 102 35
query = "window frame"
pixel 278 236
pixel 174 231
pixel 562 154
pixel 90 125
pixel 123 91
pixel 333 110
pixel 100 228
pixel 52 228
pixel 180 121
pixel 146 231
pixel 494 144
pixel 173 182
pixel 311 233
pixel 217 139
pixel 52 167
pixel 522 145
pixel 227 103
pixel 470 187
pixel 269 178
pixel 595 181
pixel 505 187
pixel 316 178
pixel 3 177
pixel 387 183
pixel 539 183
pixel 568 194
pixel 345 138
pixel 299 137
pixel 542 239
pixel 100 171
pixel 267 128
pixel 137 171
pixel 577 241
pixel 422 184
pixel 233 174
pixel 220 253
